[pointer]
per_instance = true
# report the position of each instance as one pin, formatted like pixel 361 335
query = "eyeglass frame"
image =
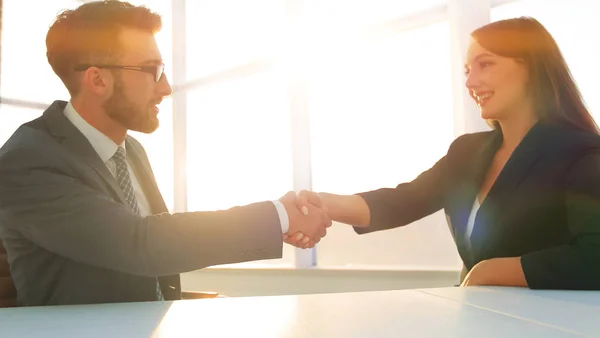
pixel 156 70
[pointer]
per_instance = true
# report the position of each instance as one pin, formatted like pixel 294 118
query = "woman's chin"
pixel 486 114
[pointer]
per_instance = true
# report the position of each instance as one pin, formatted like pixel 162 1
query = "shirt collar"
pixel 104 146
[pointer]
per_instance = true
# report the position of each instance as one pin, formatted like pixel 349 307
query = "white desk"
pixel 446 312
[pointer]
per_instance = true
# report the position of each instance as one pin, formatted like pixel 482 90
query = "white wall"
pixel 270 282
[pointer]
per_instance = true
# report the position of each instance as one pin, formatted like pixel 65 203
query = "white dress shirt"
pixel 106 148
pixel 471 222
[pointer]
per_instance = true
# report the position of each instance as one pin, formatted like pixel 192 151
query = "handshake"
pixel 308 218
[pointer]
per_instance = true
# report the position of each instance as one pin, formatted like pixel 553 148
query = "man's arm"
pixel 284 219
pixel 139 150
pixel 61 214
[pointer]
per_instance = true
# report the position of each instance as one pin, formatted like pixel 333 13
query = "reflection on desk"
pixel 446 312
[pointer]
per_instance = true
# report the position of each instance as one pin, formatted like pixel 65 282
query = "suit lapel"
pixel 170 285
pixel 145 176
pixel 77 144
pixel 475 173
pixel 70 137
pixel 519 163
pixel 502 192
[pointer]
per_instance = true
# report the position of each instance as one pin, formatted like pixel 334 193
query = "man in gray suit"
pixel 81 215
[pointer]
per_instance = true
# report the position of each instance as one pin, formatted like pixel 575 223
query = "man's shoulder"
pixel 30 143
pixel 35 140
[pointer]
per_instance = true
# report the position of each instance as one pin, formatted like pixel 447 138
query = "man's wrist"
pixel 284 220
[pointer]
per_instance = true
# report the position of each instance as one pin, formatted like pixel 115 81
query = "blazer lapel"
pixel 76 143
pixel 469 186
pixel 506 186
pixel 170 285
pixel 146 177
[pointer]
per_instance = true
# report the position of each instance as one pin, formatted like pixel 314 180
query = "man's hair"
pixel 90 34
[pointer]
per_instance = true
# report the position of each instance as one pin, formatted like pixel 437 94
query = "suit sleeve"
pixel 408 202
pixel 575 265
pixel 54 209
pixel 281 212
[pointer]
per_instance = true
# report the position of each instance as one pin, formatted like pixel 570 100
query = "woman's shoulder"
pixel 571 140
pixel 555 137
pixel 472 141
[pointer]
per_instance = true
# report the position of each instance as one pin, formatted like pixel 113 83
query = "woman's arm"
pixel 575 265
pixel 408 202
pixel 384 208
pixel 348 209
pixel 388 208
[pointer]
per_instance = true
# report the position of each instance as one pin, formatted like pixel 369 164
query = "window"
pixel 343 16
pixel 26 74
pixel 574 26
pixel 239 148
pixel 237 122
pixel 227 33
pixel 381 113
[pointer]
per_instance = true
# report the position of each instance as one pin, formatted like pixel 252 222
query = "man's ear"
pixel 99 81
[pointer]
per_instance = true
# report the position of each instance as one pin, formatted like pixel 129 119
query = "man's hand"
pixel 308 222
pixel 306 197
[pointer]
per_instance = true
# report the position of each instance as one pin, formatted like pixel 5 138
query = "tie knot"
pixel 119 155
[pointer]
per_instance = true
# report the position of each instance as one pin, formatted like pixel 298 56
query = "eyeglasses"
pixel 155 70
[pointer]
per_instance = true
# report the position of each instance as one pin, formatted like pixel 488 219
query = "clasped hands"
pixel 308 218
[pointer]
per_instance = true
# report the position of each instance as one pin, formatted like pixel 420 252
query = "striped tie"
pixel 124 181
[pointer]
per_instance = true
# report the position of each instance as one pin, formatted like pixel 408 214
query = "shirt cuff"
pixel 283 216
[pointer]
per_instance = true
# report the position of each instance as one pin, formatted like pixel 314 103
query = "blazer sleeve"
pixel 575 265
pixel 408 202
pixel 57 211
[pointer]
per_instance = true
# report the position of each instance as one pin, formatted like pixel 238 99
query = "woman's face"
pixel 497 84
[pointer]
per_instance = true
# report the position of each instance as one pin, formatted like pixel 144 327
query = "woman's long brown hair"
pixel 557 99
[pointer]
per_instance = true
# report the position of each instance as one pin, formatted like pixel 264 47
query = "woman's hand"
pixel 303 199
pixel 497 271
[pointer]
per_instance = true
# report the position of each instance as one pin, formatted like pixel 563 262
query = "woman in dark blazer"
pixel 523 200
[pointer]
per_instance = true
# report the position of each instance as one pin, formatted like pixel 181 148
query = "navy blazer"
pixel 71 239
pixel 543 207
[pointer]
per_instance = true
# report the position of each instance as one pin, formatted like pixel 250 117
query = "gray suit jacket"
pixel 71 239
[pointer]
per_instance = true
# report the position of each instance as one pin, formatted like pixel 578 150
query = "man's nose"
pixel 164 87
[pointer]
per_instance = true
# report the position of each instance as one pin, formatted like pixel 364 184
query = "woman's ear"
pixel 525 68
pixel 519 60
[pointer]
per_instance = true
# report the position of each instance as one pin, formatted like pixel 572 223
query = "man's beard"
pixel 130 116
